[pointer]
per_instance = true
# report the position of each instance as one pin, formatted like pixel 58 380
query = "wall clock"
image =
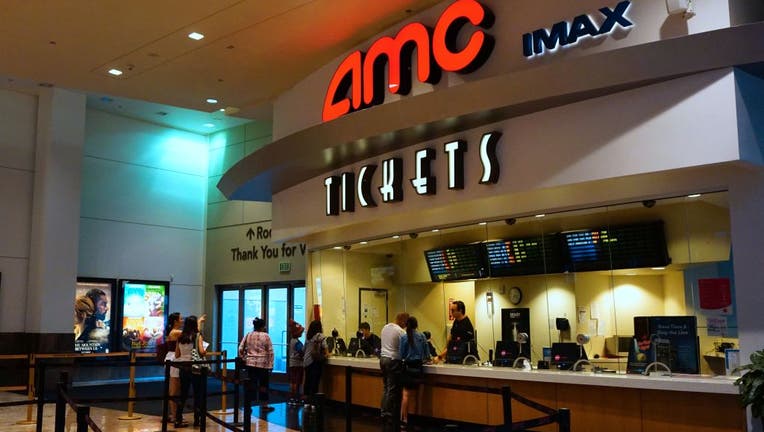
pixel 515 295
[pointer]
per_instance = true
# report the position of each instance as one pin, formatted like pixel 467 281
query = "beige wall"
pixel 598 303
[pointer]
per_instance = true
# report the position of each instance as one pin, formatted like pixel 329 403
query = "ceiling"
pixel 252 51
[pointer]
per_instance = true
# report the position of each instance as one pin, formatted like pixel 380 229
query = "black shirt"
pixel 371 345
pixel 462 341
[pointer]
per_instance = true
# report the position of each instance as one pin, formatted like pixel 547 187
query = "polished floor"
pixel 108 419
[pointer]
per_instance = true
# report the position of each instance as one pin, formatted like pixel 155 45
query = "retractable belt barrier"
pixel 560 416
pixel 38 364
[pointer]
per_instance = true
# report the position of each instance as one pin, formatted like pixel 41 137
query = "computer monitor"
pixel 564 354
pixel 354 346
pixel 340 347
pixel 505 354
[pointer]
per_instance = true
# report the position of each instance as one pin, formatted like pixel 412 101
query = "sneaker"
pixel 180 424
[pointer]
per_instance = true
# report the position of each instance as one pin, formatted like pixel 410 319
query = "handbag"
pixel 195 356
pixel 318 354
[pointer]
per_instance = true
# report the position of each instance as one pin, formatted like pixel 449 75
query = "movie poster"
pixel 92 320
pixel 143 315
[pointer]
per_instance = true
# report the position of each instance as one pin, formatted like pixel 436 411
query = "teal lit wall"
pixel 144 194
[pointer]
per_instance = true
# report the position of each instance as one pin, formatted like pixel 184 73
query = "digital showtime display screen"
pixel 523 256
pixel 458 262
pixel 93 304
pixel 629 246
pixel 144 310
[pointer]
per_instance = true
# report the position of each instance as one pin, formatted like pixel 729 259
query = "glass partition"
pixel 548 284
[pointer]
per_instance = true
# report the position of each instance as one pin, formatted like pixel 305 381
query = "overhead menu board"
pixel 524 256
pixel 457 262
pixel 629 246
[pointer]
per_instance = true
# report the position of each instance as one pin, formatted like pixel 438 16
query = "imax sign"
pixel 566 33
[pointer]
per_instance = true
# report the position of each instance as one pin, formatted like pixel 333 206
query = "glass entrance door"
pixel 240 304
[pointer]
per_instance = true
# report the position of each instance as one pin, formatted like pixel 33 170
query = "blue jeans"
pixel 392 389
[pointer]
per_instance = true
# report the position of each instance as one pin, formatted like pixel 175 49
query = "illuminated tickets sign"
pixel 566 33
pixel 362 74
pixel 341 190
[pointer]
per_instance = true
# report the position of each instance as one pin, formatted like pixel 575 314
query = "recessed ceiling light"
pixel 196 36
pixel 483 223
pixel 212 101
pixel 435 230
pixel 658 268
pixel 540 215
pixel 209 125
pixel 337 247
pixel 693 196
pixel 396 236
pixel 364 242
pixel 115 72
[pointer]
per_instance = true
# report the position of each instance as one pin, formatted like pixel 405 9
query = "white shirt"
pixel 391 341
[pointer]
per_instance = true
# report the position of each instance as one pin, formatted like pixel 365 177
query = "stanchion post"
pixel 237 388
pixel 131 390
pixel 83 412
pixel 319 399
pixel 40 393
pixel 563 418
pixel 30 392
pixel 202 414
pixel 60 421
pixel 506 402
pixel 348 399
pixel 247 407
pixel 224 386
pixel 166 394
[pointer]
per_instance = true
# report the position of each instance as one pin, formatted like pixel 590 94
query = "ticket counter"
pixel 598 402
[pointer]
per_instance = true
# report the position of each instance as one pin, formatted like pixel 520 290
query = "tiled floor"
pixel 108 420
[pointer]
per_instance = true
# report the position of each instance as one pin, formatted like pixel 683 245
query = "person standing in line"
pixel 172 333
pixel 391 366
pixel 461 341
pixel 414 354
pixel 316 352
pixel 296 357
pixel 256 349
pixel 188 340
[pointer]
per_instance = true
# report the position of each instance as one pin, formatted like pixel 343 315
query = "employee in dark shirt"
pixel 369 342
pixel 461 341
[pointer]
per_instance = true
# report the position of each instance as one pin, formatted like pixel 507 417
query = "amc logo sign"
pixel 359 81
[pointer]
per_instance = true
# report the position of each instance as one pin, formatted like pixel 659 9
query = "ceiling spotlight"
pixel 337 247
pixel 657 268
pixel 435 230
pixel 364 242
pixel 540 215
pixel 396 236
pixel 483 223
pixel 212 101
pixel 693 196
pixel 115 72
pixel 195 36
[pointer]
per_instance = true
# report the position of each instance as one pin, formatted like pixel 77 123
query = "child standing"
pixel 296 368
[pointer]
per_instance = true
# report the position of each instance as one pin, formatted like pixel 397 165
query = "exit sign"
pixel 285 267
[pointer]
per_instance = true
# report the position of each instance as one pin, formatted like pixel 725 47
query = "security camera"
pixel 510 221
pixel 413 235
pixel 648 203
